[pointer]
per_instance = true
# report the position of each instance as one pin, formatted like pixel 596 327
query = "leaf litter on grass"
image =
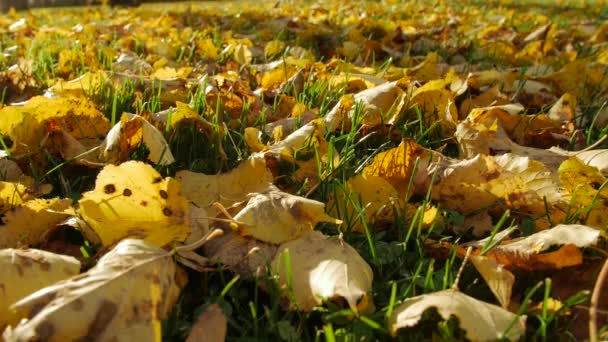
pixel 319 169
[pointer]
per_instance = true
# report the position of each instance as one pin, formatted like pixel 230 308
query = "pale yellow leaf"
pixel 124 297
pixel 499 280
pixel 275 216
pixel 323 268
pixel 25 271
pixel 481 321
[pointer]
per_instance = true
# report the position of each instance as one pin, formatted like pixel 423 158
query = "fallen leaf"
pixel 244 255
pixel 314 268
pixel 249 176
pixel 481 321
pixel 133 200
pixel 499 280
pixel 26 224
pixel 25 271
pixel 129 133
pixel 364 199
pixel 24 124
pixel 276 217
pixel 125 296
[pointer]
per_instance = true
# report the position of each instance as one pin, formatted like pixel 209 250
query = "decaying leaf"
pixel 480 320
pixel 129 133
pixel 275 216
pixel 315 267
pixel 133 200
pixel 124 297
pixel 25 271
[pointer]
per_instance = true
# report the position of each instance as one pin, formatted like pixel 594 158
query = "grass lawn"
pixel 440 147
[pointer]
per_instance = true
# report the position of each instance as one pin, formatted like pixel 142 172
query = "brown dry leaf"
pixel 25 271
pixel 26 224
pixel 124 297
pixel 478 223
pixel 499 280
pixel 128 134
pixel 133 200
pixel 243 255
pixel 525 253
pixel 25 124
pixel 9 171
pixel 249 176
pixel 364 199
pixel 323 268
pixel 210 326
pixel 397 164
pixel 585 186
pixel 276 217
pixel 480 320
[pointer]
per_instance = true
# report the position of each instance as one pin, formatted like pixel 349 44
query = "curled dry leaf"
pixel 133 200
pixel 275 216
pixel 323 268
pixel 499 280
pixel 124 297
pixel 563 234
pixel 26 224
pixel 481 321
pixel 129 133
pixel 25 271
pixel 526 254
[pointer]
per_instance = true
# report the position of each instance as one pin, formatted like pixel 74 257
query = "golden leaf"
pixel 133 200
